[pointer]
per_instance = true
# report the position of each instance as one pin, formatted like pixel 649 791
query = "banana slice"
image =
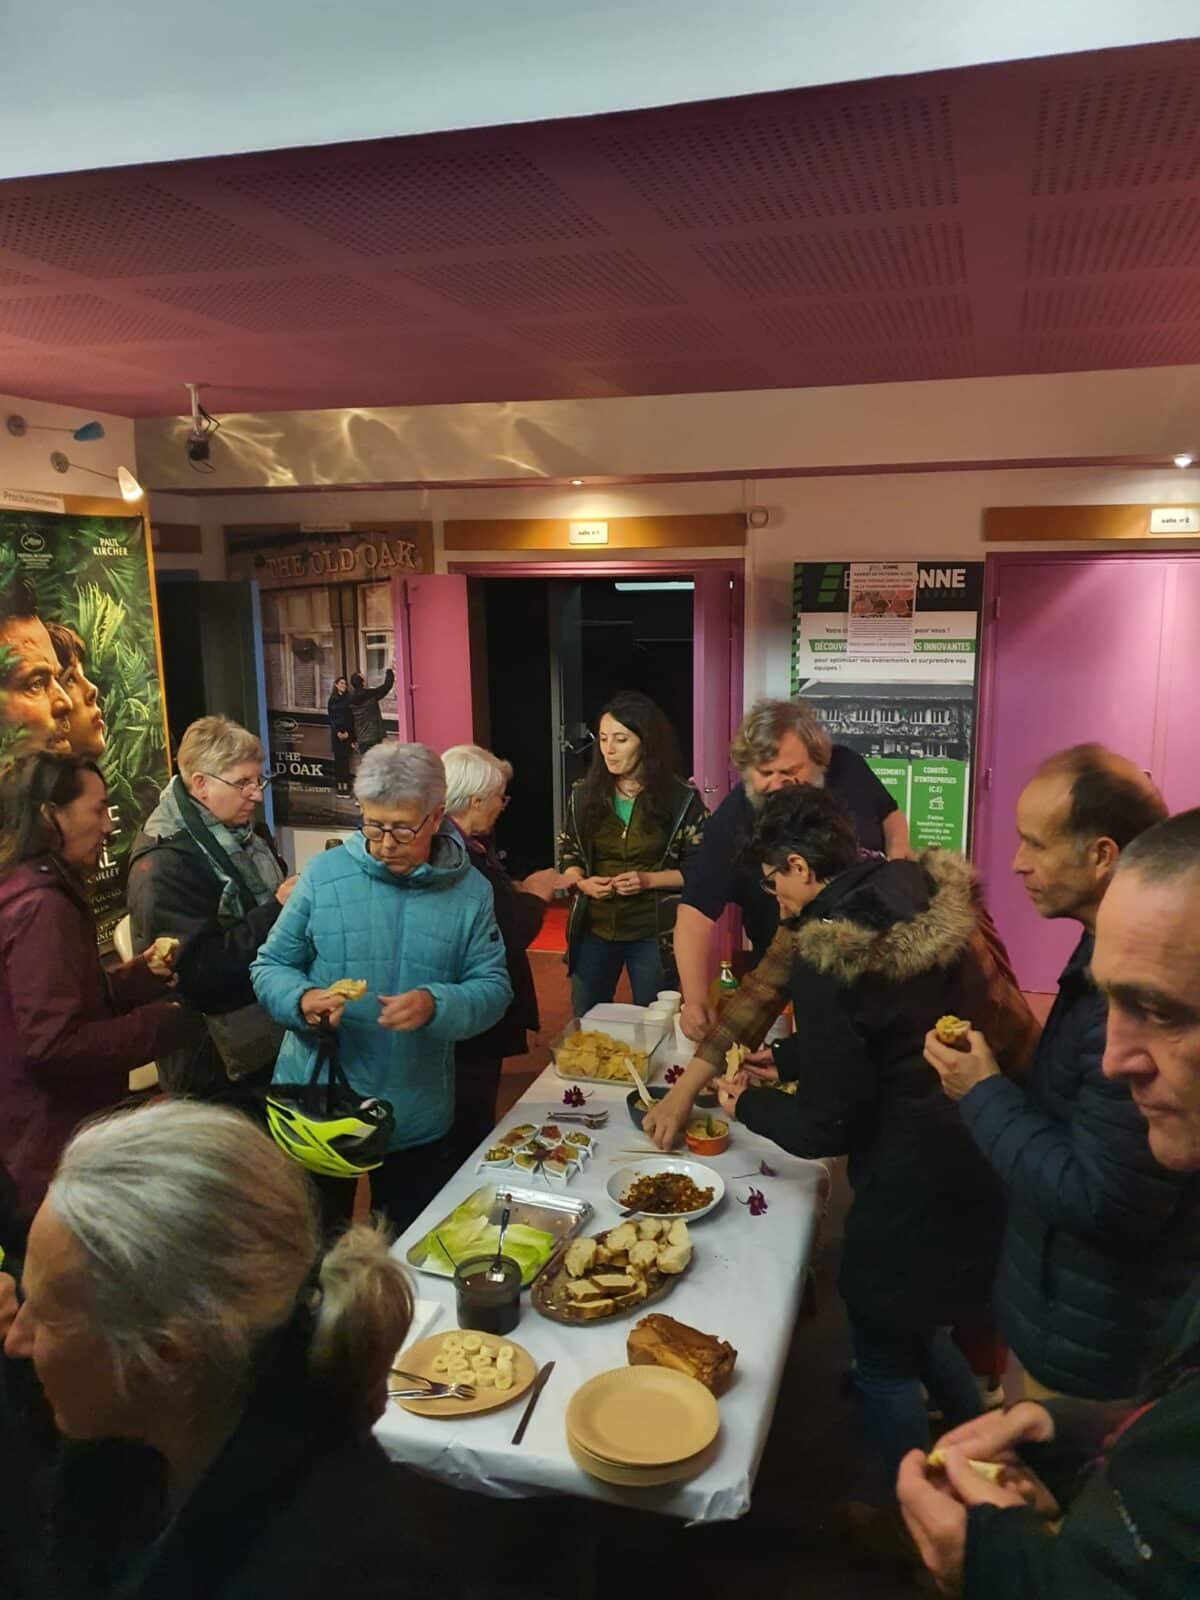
pixel 481 1362
pixel 459 1364
pixel 487 1378
pixel 503 1378
pixel 505 1353
pixel 472 1343
pixel 452 1341
pixel 440 1363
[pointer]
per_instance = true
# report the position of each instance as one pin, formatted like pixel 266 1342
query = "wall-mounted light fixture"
pixel 130 488
pixel 84 434
pixel 1184 459
pixel 577 483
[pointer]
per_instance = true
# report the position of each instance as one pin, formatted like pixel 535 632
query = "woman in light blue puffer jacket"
pixel 401 907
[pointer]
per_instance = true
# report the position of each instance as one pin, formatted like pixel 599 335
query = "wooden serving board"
pixel 549 1297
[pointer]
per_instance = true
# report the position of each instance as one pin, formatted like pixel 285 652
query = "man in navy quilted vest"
pixel 1101 1238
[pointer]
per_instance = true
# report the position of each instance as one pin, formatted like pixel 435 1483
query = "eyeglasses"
pixel 245 786
pixel 767 881
pixel 400 834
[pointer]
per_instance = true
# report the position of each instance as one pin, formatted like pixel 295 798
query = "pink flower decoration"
pixel 756 1201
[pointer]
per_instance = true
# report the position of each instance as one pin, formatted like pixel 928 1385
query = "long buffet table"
pixel 745 1285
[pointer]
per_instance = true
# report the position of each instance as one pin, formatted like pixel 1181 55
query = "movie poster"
pixel 327 616
pixel 79 666
pixel 888 653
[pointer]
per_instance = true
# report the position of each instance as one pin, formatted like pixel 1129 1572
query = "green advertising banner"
pixel 79 666
pixel 886 651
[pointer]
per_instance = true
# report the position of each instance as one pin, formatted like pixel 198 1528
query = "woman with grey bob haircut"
pixel 398 908
pixel 224 1370
pixel 391 774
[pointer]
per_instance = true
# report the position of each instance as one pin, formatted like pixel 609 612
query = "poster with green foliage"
pixel 79 666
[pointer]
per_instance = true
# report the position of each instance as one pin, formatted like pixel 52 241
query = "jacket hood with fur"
pixel 890 919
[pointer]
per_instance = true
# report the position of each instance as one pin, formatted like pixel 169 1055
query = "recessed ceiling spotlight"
pixel 1183 459
pixel 577 483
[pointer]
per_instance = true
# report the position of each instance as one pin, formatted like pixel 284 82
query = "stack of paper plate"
pixel 638 1426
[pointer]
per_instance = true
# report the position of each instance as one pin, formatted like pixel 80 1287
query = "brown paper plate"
pixel 639 1477
pixel 419 1359
pixel 642 1417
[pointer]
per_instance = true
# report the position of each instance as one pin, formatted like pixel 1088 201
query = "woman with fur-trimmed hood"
pixel 871 953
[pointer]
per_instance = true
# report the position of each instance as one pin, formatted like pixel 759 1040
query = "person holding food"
pixel 1100 1239
pixel 631 825
pixel 870 952
pixel 476 793
pixel 779 743
pixel 1126 1474
pixel 216 1372
pixel 70 1032
pixel 205 872
pixel 400 910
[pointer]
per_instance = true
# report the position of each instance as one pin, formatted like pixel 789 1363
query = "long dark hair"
pixel 659 761
pixel 26 788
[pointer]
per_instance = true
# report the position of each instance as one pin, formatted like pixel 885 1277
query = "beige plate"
pixel 419 1359
pixel 642 1416
pixel 637 1477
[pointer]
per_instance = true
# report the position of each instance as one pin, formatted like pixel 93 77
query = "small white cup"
pixel 670 998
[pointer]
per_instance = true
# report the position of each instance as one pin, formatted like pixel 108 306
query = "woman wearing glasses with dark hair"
pixel 400 907
pixel 204 870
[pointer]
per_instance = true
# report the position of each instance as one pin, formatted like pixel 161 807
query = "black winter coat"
pixel 365 713
pixel 174 891
pixel 292 1509
pixel 876 959
pixel 341 720
pixel 1132 1531
pixel 519 918
pixel 1101 1240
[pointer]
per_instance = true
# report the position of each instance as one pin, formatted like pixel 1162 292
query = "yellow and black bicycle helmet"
pixel 326 1127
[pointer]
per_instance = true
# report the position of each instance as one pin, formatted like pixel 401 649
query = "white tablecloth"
pixel 745 1284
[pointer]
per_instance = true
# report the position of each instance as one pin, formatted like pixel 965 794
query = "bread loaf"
pixel 662 1342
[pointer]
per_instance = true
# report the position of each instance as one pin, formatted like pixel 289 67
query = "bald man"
pixel 1101 1239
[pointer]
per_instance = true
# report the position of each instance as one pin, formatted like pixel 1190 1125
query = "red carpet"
pixel 553 936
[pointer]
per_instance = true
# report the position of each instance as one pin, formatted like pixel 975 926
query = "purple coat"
pixel 70 1033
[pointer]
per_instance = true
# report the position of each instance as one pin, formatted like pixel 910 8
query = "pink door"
pixel 1072 655
pixel 716 681
pixel 1177 756
pixel 433 660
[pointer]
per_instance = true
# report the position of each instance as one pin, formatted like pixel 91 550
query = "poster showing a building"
pixel 326 613
pixel 80 668
pixel 910 709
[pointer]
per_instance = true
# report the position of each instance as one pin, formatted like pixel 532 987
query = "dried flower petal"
pixel 756 1201
pixel 767 1172
pixel 574 1097
pixel 672 1074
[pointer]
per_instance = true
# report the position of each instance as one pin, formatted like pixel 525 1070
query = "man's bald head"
pixel 1108 796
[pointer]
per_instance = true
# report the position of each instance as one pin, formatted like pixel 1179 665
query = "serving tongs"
pixel 590 1119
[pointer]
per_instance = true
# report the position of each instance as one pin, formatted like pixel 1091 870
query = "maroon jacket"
pixel 70 1033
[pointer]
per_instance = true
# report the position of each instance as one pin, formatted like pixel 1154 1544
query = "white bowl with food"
pixel 669 1187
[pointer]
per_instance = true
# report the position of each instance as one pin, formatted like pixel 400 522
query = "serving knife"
pixel 539 1383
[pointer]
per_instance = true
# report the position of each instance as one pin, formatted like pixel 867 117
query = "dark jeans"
pixel 476 1084
pixel 889 1369
pixel 400 1189
pixel 598 964
pixel 341 762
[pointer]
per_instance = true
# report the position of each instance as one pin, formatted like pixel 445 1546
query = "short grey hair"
pixel 190 1221
pixel 392 774
pixel 214 744
pixel 763 727
pixel 472 773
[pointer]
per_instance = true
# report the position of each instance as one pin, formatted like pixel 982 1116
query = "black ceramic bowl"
pixel 634 1101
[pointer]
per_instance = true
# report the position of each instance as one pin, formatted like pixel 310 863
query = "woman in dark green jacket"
pixel 631 824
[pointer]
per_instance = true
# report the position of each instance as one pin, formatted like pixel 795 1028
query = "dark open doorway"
pixel 556 650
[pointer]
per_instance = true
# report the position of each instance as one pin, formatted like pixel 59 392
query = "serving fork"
pixel 428 1390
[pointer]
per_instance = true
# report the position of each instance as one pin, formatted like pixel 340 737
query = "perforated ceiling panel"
pixel 413 199
pixel 1024 217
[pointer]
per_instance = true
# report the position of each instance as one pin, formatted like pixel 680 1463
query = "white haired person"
pixel 476 794
pixel 205 871
pixel 400 908
pixel 779 743
pixel 217 1373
